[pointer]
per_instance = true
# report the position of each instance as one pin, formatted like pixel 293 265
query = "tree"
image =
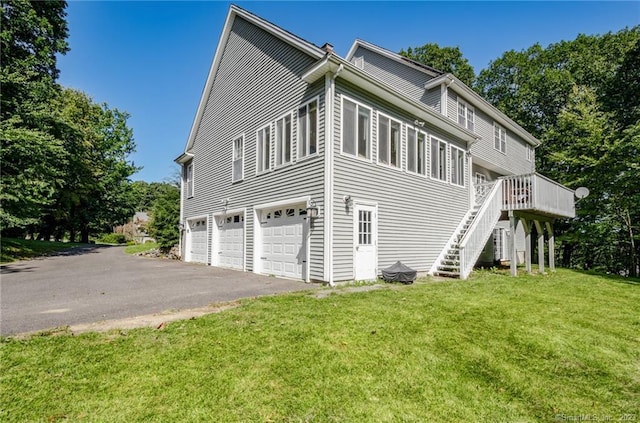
pixel 445 59
pixel 165 219
pixel 31 35
pixel 580 98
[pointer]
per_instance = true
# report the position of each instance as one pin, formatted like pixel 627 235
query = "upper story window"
pixel 308 129
pixel 457 166
pixel 389 132
pixel 189 179
pixel 466 115
pixel 529 153
pixel 499 138
pixel 238 156
pixel 356 129
pixel 416 151
pixel 283 146
pixel 263 148
pixel 438 159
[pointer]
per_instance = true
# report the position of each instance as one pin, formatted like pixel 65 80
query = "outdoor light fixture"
pixel 348 201
pixel 418 123
pixel 312 210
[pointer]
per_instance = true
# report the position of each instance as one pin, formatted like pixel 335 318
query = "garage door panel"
pixel 230 242
pixel 283 246
pixel 197 241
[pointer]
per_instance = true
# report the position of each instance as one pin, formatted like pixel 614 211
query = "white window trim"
pixel 389 165
pixel 427 147
pixel 259 149
pixel 274 144
pixel 233 158
pixel 306 155
pixel 189 183
pixel 460 151
pixel 502 130
pixel 467 107
pixel 359 104
pixel 446 170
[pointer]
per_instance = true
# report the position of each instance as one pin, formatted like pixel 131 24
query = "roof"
pixel 433 72
pixel 234 12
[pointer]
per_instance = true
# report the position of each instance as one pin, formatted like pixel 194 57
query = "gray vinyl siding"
pixel 408 80
pixel 416 214
pixel 513 162
pixel 433 98
pixel 258 81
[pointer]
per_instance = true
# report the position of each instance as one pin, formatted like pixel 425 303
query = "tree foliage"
pixel 65 164
pixel 165 218
pixel 581 99
pixel 445 59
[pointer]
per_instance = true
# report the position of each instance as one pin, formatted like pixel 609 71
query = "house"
pixel 306 165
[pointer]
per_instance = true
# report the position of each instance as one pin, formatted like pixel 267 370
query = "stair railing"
pixel 474 240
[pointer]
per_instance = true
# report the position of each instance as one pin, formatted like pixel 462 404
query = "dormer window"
pixel 466 115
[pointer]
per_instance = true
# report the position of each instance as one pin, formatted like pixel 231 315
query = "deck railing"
pixel 537 193
pixel 474 240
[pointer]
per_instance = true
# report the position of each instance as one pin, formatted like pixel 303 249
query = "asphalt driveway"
pixel 92 284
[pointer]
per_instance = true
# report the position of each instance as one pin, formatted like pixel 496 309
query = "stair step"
pixel 449 274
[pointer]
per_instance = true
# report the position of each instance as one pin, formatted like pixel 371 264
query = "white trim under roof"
pixel 278 32
pixel 480 103
pixel 393 56
pixel 358 77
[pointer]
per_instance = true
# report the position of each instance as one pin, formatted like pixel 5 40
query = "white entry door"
pixel 229 248
pixel 196 250
pixel 365 243
pixel 284 250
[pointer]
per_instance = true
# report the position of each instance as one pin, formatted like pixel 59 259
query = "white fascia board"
pixel 380 89
pixel 480 103
pixel 276 31
pixel 183 158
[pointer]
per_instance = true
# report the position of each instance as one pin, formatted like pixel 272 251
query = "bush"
pixel 112 239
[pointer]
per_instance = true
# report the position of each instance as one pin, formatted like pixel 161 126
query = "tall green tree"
pixel 31 35
pixel 165 218
pixel 445 59
pixel 580 99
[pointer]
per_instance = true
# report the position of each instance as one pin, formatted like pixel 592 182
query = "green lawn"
pixel 13 249
pixel 138 248
pixel 494 349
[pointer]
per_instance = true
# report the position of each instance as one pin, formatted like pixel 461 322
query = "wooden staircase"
pixel 449 262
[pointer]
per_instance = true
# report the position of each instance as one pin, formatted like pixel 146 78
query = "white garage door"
pixel 229 250
pixel 197 241
pixel 283 242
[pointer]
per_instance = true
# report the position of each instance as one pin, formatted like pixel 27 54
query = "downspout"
pixel 329 89
pixel 181 222
pixel 444 96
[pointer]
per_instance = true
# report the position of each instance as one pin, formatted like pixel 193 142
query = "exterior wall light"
pixel 312 210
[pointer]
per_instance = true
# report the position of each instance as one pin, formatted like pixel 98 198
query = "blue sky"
pixel 152 58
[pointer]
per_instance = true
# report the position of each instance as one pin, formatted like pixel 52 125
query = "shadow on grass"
pixel 613 278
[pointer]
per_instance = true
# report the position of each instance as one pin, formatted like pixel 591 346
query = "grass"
pixel 494 349
pixel 139 248
pixel 14 249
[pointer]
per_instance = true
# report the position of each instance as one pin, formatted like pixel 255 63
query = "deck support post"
pixel 540 230
pixel 552 253
pixel 513 223
pixel 527 244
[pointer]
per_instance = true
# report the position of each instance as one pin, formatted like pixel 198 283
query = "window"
pixel 529 153
pixel 389 141
pixel 263 148
pixel 283 140
pixel 416 152
pixel 457 166
pixel 238 153
pixel 189 180
pixel 356 129
pixel 308 129
pixel 466 115
pixel 438 159
pixel 499 138
pixel 365 228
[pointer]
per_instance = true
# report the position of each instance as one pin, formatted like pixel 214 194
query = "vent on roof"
pixel 328 48
pixel 359 62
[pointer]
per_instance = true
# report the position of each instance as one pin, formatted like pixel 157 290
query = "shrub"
pixel 112 239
